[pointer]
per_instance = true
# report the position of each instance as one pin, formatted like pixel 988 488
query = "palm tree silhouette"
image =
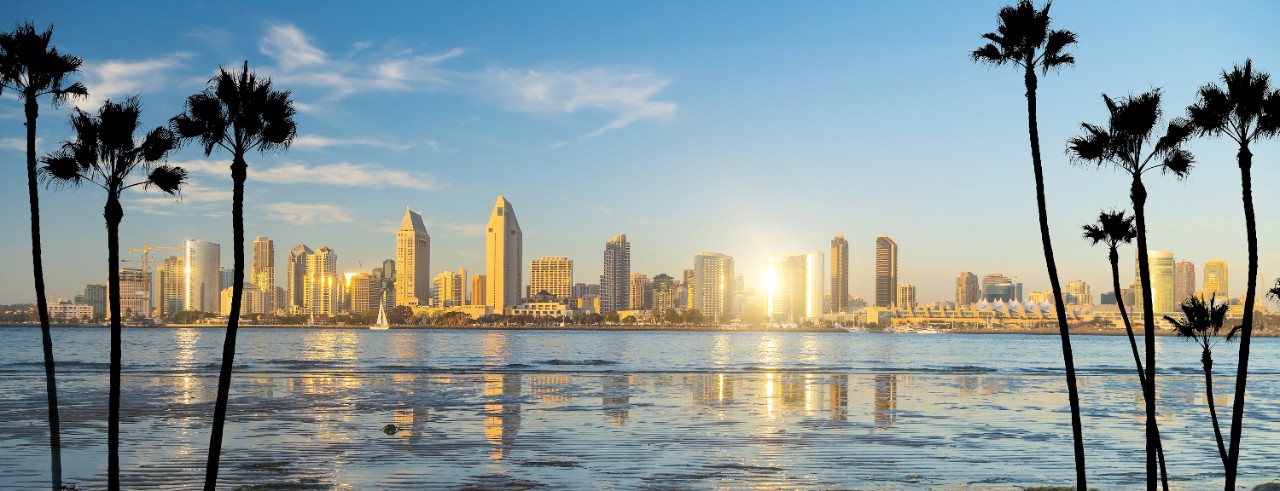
pixel 238 113
pixel 1130 127
pixel 1023 39
pixel 1201 323
pixel 30 67
pixel 1247 110
pixel 104 153
pixel 1114 228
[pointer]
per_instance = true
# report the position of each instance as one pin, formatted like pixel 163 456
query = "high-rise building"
pixel 478 290
pixel 712 286
pixel 583 289
pixel 553 275
pixel 171 283
pixel 839 273
pixel 263 271
pixel 365 292
pixel 664 292
pixel 226 277
pixel 1215 280
pixel 133 293
pixel 640 296
pixel 413 257
pixel 1000 288
pixel 1077 293
pixel 504 263
pixel 296 279
pixel 1161 266
pixel 886 271
pixel 96 297
pixel 967 291
pixel 615 282
pixel 794 287
pixel 448 286
pixel 320 286
pixel 252 300
pixel 906 296
pixel 466 282
pixel 386 276
pixel 1184 280
pixel 201 292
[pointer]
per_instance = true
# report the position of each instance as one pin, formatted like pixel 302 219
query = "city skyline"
pixel 681 104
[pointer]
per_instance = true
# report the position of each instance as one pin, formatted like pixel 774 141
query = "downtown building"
pixel 795 287
pixel 907 297
pixel 448 289
pixel 552 275
pixel 1215 280
pixel 202 278
pixel 1161 266
pixel 296 279
pixel 967 291
pixel 665 292
pixel 504 248
pixel 321 287
pixel 886 271
pixel 615 281
pixel 262 273
pixel 640 296
pixel 839 273
pixel 413 258
pixel 133 293
pixel 171 281
pixel 1184 280
pixel 712 286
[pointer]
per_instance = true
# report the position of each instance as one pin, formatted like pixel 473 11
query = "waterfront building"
pixel 906 296
pixel 504 246
pixel 1215 280
pixel 478 290
pixel 1161 266
pixel 553 275
pixel 386 276
pixel 886 270
pixel 664 292
pixel 1184 280
pixel 172 276
pixel 712 285
pixel 839 273
pixel 1107 298
pixel 296 279
pixel 252 300
pixel 1077 293
pixel 365 292
pixel 200 291
pixel 794 287
pixel 967 291
pixel 95 296
pixel 448 289
pixel 583 289
pixel 226 276
pixel 615 282
pixel 413 257
pixel 133 293
pixel 65 310
pixel 641 294
pixel 321 282
pixel 1000 288
pixel 263 271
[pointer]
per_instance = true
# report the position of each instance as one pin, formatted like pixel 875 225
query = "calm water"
pixel 622 410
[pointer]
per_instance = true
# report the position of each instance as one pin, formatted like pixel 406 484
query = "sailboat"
pixel 382 324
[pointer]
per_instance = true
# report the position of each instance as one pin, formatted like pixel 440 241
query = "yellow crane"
pixel 146 269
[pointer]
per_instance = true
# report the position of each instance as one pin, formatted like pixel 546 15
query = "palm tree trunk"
pixel 239 170
pixel 42 302
pixel 1245 159
pixel 1207 359
pixel 1137 360
pixel 114 213
pixel 1138 194
pixel 1072 394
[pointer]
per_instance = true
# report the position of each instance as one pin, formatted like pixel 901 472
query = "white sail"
pixel 382 315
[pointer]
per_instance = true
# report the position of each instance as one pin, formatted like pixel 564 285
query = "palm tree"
pixel 30 67
pixel 1023 39
pixel 1247 110
pixel 1201 323
pixel 1114 228
pixel 238 113
pixel 1130 127
pixel 104 153
pixel 1274 292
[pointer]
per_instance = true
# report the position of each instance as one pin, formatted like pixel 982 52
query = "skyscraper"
pixel 664 292
pixel 1215 280
pixel 640 296
pixel 553 275
pixel 201 282
pixel 320 287
pixel 795 287
pixel 1184 281
pixel 886 271
pixel 413 257
pixel 1161 266
pixel 387 283
pixel 615 282
pixel 365 292
pixel 448 289
pixel 713 286
pixel 173 281
pixel 133 293
pixel 296 279
pixel 263 271
pixel 906 296
pixel 1077 293
pixel 504 246
pixel 839 273
pixel 967 291
pixel 478 290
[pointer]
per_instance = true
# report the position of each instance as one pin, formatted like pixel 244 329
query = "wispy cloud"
pixel 627 96
pixel 306 213
pixel 339 174
pixel 195 196
pixel 19 144
pixel 317 141
pixel 467 229
pixel 115 78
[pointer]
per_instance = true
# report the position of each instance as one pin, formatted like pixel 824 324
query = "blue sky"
pixel 748 128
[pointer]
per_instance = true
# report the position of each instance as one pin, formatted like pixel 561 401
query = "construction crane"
pixel 146 269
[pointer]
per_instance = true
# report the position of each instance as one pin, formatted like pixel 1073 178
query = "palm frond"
pixel 1094 147
pixel 1209 114
pixel 1178 163
pixel 60 169
pixel 1055 55
pixel 167 178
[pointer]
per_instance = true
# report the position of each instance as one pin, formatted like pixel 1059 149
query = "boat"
pixel 382 324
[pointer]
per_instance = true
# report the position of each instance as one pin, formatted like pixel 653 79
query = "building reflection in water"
pixel 711 390
pixel 409 423
pixel 501 412
pixel 886 400
pixel 838 397
pixel 547 388
pixel 496 347
pixel 617 398
pixel 721 353
pixel 330 345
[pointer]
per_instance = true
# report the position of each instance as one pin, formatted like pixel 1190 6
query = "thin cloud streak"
pixel 339 174
pixel 309 142
pixel 114 78
pixel 306 213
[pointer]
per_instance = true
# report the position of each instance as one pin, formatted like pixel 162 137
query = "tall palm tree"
pixel 1114 228
pixel 1122 143
pixel 104 153
pixel 30 67
pixel 1023 39
pixel 1246 110
pixel 238 113
pixel 1201 322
